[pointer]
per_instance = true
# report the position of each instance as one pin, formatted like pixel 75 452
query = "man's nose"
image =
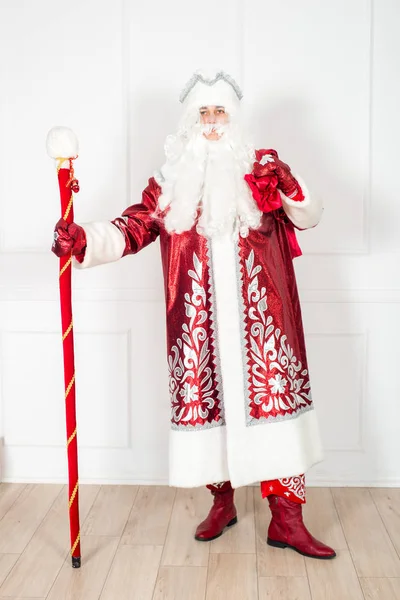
pixel 211 119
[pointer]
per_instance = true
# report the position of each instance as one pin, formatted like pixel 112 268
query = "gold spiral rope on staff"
pixel 76 543
pixel 71 383
pixel 71 437
pixel 71 500
pixel 68 210
pixel 68 331
pixel 65 267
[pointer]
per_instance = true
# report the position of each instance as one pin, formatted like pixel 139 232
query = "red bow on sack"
pixel 264 183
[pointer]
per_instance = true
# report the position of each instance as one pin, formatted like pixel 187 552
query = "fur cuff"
pixel 305 213
pixel 104 243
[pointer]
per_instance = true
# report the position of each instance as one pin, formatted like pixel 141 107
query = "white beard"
pixel 208 175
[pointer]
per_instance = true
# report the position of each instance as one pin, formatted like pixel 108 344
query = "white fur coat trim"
pixel 244 455
pixel 306 213
pixel 104 243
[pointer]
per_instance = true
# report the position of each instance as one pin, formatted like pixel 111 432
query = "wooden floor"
pixel 137 544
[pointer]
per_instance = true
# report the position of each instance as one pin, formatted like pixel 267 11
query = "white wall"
pixel 321 86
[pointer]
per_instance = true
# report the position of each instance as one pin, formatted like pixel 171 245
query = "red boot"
pixel 287 530
pixel 221 515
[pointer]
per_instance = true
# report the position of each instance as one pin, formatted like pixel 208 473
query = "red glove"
pixel 69 238
pixel 268 165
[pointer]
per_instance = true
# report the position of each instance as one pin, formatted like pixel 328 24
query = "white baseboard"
pixel 372 483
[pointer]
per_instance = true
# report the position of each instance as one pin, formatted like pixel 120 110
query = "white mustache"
pixel 213 128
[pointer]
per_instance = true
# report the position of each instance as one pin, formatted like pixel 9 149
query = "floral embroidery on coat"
pixel 193 384
pixel 278 383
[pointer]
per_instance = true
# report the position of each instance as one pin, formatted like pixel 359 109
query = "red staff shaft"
pixel 64 178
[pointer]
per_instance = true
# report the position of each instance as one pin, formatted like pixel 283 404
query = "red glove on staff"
pixel 69 238
pixel 267 165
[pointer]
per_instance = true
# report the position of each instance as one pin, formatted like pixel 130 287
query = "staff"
pixel 62 145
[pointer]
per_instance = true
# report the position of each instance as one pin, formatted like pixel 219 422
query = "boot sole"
pixel 275 544
pixel 232 522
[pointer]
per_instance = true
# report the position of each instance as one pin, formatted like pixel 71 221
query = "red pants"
pixel 292 488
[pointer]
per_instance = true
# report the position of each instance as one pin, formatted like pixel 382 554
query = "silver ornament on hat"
pixel 200 77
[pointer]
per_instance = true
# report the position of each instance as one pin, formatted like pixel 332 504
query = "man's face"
pixel 210 115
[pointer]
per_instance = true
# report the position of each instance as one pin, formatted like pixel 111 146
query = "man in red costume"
pixel 241 406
